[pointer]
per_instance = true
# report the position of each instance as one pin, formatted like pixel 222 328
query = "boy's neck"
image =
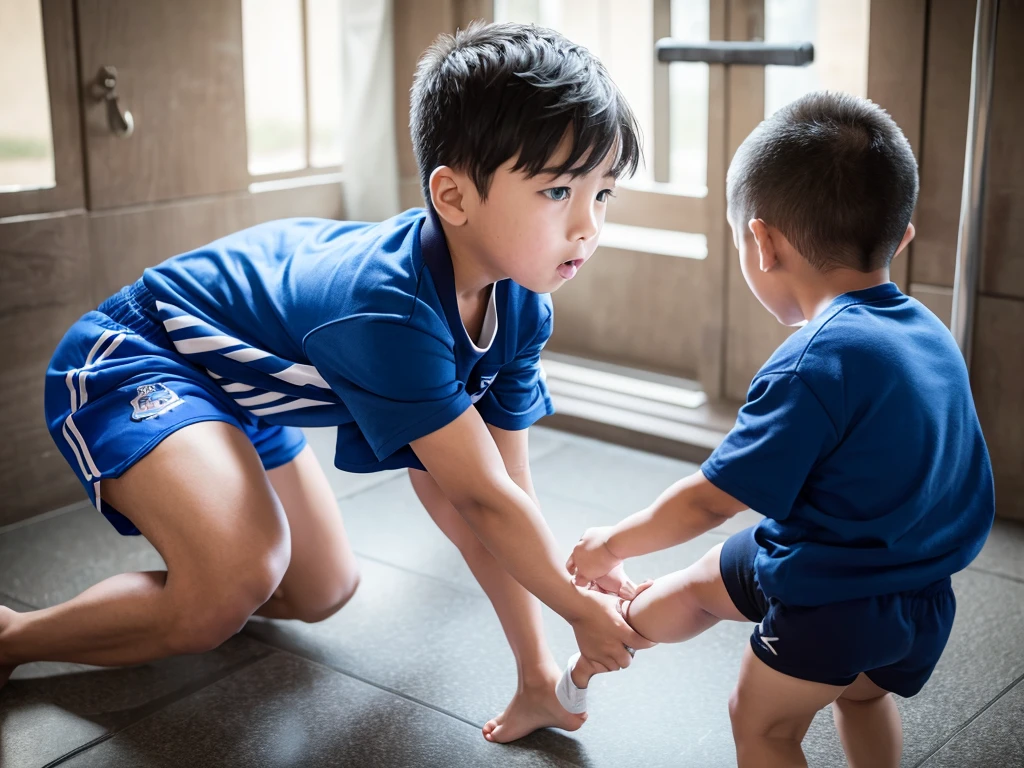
pixel 473 278
pixel 814 296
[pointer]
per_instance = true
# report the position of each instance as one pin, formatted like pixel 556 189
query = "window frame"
pixel 68 191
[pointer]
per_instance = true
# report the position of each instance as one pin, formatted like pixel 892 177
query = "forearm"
pixel 678 515
pixel 510 525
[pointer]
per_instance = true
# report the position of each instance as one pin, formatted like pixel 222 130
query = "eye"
pixel 558 194
pixel 604 195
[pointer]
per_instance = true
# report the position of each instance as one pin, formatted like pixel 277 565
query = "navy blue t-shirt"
pixel 312 322
pixel 860 443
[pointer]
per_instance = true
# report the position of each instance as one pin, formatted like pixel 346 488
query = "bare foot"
pixel 6 615
pixel 532 708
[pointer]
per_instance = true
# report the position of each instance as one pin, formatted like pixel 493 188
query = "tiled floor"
pixel 407 673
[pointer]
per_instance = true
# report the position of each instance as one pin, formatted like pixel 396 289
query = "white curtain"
pixel 370 181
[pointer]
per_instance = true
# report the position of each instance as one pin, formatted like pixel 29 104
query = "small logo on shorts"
pixel 152 400
pixel 766 641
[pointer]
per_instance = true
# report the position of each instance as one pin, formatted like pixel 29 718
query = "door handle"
pixel 740 52
pixel 121 123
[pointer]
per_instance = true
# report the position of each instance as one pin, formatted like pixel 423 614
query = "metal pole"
pixel 969 240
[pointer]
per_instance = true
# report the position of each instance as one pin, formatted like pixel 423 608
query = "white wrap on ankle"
pixel 573 699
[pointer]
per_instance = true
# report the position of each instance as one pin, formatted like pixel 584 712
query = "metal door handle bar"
pixel 739 52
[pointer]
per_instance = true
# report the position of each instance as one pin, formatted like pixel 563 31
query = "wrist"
pixel 617 542
pixel 574 607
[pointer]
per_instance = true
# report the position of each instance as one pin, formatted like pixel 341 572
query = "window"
pixel 292 59
pixel 26 135
pixel 622 35
pixel 688 101
pixel 839 31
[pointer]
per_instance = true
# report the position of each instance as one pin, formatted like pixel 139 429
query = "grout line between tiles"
pixel 970 720
pixel 436 579
pixel 150 708
pixel 349 673
pixel 45 516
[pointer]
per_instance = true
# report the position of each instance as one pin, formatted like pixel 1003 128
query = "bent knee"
pixel 204 617
pixel 204 628
pixel 316 608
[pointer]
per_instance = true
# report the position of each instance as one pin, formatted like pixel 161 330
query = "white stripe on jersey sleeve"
pixel 247 355
pixel 183 321
pixel 266 397
pixel 205 344
pixel 293 405
pixel 302 374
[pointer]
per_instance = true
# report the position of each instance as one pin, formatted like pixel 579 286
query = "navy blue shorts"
pixel 116 387
pixel 896 640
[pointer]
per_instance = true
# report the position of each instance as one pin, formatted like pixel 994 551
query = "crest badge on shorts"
pixel 152 400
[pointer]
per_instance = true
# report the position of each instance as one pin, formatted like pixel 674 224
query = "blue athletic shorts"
pixel 895 639
pixel 116 387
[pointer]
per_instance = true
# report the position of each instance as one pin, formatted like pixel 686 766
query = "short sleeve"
pixel 518 396
pixel 397 380
pixel 781 433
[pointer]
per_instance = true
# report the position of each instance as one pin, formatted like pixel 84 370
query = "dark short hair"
pixel 492 92
pixel 834 174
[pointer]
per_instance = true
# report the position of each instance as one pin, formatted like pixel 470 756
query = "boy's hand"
pixel 591 559
pixel 603 635
pixel 616 582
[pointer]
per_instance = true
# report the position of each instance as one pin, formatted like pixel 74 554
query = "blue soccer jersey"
pixel 311 322
pixel 860 443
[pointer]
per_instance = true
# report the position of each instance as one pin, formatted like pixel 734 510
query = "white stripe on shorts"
pixel 69 423
pixel 74 449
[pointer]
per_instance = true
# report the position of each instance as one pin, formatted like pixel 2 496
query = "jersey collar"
pixel 438 259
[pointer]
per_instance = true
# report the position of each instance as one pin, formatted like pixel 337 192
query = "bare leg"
pixel 534 704
pixel 202 499
pixel 869 725
pixel 322 575
pixel 771 712
pixel 675 608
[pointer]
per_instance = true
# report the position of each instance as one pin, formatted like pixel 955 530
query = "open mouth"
pixel 567 269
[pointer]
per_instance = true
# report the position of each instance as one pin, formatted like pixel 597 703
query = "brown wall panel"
pixel 1002 269
pixel 43 289
pixel 946 98
pixel 632 308
pixel 997 373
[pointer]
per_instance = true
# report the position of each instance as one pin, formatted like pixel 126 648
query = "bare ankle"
pixel 579 677
pixel 583 671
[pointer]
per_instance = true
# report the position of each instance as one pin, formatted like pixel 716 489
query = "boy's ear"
pixel 446 195
pixel 907 237
pixel 767 256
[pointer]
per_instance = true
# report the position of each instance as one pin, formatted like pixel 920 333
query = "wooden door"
pixel 178 72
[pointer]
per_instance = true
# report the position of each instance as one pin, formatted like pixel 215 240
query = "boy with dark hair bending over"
pixel 859 442
pixel 178 401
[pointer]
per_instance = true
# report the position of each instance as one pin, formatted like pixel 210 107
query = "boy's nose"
pixel 585 225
